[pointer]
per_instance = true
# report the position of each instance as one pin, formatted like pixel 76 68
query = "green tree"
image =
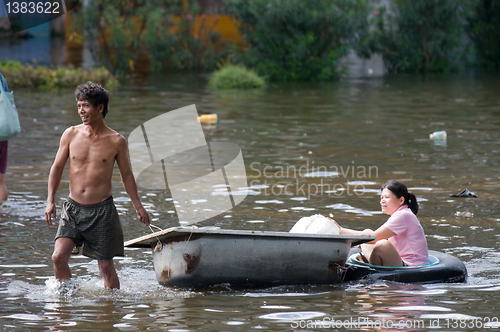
pixel 484 30
pixel 295 40
pixel 419 36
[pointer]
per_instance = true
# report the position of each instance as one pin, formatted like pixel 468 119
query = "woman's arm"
pixel 382 232
pixel 343 230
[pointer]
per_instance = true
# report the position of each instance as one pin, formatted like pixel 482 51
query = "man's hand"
pixel 50 213
pixel 143 216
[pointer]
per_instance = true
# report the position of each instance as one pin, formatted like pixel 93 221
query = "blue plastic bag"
pixel 9 119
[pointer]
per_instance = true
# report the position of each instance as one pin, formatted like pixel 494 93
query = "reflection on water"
pixel 308 148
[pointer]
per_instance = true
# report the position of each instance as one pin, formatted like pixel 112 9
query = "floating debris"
pixel 438 135
pixel 465 193
pixel 208 118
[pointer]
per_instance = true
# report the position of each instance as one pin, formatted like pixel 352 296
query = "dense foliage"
pixel 123 33
pixel 484 30
pixel 291 40
pixel 33 76
pixel 419 36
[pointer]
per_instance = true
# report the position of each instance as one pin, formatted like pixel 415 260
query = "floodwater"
pixel 308 148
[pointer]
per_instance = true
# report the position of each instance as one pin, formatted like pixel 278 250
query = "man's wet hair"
pixel 93 93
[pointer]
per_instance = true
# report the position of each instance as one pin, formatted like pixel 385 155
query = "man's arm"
pixel 129 181
pixel 55 175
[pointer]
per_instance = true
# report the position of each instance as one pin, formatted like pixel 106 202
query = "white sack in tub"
pixel 315 224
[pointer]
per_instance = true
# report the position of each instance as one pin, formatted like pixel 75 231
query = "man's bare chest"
pixel 91 151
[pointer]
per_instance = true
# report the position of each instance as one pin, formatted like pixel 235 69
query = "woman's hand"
pixel 337 224
pixel 368 232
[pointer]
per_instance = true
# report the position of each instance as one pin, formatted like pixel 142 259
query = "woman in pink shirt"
pixel 400 240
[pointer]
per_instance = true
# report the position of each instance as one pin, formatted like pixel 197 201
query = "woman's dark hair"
pixel 95 94
pixel 400 190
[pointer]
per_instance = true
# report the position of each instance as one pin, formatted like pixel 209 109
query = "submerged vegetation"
pixel 235 77
pixel 33 76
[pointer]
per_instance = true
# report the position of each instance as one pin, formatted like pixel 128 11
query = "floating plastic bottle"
pixel 438 135
pixel 208 118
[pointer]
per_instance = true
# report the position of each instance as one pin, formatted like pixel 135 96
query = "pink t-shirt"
pixel 409 239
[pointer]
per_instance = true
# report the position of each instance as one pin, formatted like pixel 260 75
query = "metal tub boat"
pixel 197 257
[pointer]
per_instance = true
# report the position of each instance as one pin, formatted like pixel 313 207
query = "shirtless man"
pixel 89 216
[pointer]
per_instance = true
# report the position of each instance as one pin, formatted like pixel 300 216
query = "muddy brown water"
pixel 308 148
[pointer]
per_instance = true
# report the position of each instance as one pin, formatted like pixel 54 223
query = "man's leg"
pixel 108 272
pixel 3 188
pixel 62 251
